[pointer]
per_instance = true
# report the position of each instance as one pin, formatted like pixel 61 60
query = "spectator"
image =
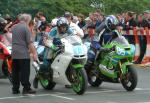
pixel 22 46
pixel 100 15
pixel 81 20
pixel 3 23
pixel 8 18
pixel 98 18
pixel 139 20
pixel 88 22
pixel 38 19
pixel 42 33
pixel 120 24
pixel 41 16
pixel 94 18
pixel 77 30
pixel 146 20
pixel 75 20
pixel 120 19
pixel 129 21
pixel 32 29
pixel 143 23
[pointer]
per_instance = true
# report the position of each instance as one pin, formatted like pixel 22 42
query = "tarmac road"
pixel 106 93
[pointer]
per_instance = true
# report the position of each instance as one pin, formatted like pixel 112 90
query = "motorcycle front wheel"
pixel 79 81
pixel 129 82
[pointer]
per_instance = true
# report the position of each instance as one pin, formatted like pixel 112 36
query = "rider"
pixel 51 42
pixel 108 26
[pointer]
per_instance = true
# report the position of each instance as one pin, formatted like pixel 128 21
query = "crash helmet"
pixel 62 25
pixel 111 22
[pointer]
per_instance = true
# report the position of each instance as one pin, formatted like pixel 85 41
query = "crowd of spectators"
pixel 127 21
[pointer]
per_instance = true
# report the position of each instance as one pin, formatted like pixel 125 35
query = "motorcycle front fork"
pixel 121 75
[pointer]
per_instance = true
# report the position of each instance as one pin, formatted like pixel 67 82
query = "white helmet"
pixel 62 23
pixel 111 21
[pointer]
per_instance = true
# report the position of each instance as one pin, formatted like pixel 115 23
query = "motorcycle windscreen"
pixel 78 50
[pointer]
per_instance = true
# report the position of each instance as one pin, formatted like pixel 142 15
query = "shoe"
pixel 29 91
pixel 15 92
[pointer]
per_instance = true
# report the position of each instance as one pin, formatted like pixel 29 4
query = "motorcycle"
pixel 114 66
pixel 66 67
pixel 5 55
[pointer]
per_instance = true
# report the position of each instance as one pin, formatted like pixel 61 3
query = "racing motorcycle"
pixel 5 55
pixel 66 67
pixel 113 66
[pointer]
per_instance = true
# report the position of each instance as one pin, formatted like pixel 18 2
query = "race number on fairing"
pixel 120 51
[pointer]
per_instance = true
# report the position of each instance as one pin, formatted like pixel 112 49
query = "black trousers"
pixel 20 73
pixel 143 43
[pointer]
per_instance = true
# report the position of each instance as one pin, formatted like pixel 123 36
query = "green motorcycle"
pixel 114 66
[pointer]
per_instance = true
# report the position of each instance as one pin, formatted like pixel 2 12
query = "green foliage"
pixel 52 8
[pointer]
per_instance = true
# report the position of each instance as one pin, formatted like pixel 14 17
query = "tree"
pixel 53 8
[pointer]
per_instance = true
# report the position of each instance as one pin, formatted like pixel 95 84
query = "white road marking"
pixel 40 95
pixel 63 97
pixel 143 102
pixel 142 88
pixel 111 102
pixel 105 91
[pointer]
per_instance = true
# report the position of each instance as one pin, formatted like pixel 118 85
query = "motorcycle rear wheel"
pixel 47 84
pixel 93 78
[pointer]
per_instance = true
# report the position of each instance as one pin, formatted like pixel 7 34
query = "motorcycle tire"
pixel 47 84
pixel 93 78
pixel 79 83
pixel 130 82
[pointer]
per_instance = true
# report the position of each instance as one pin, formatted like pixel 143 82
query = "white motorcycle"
pixel 67 66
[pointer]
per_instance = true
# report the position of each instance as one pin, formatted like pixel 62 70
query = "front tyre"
pixel 79 81
pixel 130 80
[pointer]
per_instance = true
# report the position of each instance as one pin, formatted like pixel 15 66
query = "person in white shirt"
pixel 77 30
